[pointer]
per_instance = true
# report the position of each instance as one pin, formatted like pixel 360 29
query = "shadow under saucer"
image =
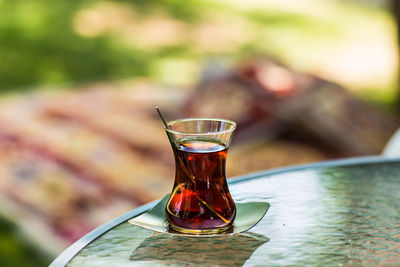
pixel 228 250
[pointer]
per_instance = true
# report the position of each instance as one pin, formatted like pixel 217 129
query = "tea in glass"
pixel 200 202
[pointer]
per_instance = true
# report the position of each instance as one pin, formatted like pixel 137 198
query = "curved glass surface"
pixel 346 215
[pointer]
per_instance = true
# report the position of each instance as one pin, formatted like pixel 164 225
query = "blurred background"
pixel 80 143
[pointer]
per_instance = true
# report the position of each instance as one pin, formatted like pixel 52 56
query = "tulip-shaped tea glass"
pixel 200 202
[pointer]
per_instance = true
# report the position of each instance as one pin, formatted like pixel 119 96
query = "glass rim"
pixel 201 119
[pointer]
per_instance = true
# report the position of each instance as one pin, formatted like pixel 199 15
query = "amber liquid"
pixel 200 199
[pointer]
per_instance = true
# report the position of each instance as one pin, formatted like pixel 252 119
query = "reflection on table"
pixel 330 214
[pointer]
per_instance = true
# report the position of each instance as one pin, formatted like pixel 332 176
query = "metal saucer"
pixel 248 214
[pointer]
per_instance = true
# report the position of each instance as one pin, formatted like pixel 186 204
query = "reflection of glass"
pixel 200 202
pixel 227 250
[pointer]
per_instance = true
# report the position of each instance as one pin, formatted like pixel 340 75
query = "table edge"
pixel 73 250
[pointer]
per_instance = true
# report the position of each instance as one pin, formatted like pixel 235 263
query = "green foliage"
pixel 40 46
pixel 16 251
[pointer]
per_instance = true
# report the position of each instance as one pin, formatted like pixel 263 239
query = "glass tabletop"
pixel 345 212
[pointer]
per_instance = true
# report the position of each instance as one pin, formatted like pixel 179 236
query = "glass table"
pixel 344 212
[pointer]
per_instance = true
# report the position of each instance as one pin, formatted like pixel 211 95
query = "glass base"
pixel 200 231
